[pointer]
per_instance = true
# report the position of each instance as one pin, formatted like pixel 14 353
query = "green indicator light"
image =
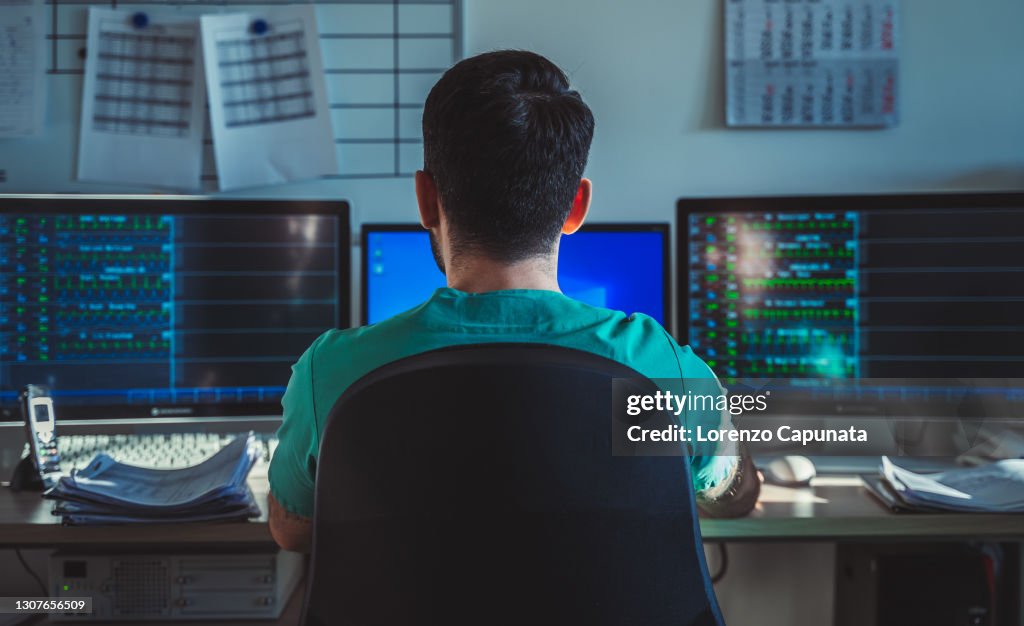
pixel 67 588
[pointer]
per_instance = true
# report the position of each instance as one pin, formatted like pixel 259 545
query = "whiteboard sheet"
pixel 812 63
pixel 143 101
pixel 22 71
pixel 268 103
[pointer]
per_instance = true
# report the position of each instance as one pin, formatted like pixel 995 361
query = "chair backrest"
pixel 477 485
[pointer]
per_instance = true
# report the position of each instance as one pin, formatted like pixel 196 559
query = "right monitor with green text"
pixel 895 286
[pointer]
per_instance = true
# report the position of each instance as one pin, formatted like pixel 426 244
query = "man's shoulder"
pixel 346 354
pixel 391 332
pixel 651 349
pixel 636 340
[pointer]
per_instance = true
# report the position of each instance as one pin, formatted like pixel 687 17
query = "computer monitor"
pixel 897 286
pixel 618 266
pixel 132 307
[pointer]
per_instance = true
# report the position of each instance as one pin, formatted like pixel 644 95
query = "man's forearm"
pixel 292 532
pixel 738 497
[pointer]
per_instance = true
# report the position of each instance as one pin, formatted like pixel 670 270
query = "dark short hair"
pixel 506 140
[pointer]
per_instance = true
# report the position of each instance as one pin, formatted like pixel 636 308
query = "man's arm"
pixel 292 532
pixel 292 468
pixel 737 494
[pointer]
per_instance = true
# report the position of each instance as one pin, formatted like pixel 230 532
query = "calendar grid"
pixel 265 79
pixel 143 84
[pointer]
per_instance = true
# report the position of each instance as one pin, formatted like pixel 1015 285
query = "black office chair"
pixel 476 485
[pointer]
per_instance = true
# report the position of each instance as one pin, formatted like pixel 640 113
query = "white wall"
pixel 652 72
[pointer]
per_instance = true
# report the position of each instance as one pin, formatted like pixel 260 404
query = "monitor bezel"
pixel 685 207
pixel 188 205
pixel 662 228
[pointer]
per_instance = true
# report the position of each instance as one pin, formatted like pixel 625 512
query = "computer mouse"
pixel 790 471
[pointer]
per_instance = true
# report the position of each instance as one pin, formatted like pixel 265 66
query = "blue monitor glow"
pixel 616 266
pixel 142 307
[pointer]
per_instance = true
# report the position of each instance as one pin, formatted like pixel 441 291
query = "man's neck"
pixel 480 275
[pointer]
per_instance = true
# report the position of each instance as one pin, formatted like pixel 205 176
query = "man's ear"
pixel 580 207
pixel 429 203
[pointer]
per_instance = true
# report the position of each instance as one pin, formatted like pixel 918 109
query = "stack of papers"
pixel 993 488
pixel 110 492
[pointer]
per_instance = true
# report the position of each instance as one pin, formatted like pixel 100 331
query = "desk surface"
pixel 833 508
pixel 837 508
pixel 26 520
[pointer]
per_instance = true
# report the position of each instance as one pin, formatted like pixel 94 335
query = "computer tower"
pixel 209 585
pixel 921 584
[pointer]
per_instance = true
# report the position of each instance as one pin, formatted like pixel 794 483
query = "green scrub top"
pixel 450 317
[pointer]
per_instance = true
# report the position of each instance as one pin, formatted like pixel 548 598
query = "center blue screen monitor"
pixel 616 266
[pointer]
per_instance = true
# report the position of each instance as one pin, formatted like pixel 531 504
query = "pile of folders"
pixel 990 488
pixel 109 492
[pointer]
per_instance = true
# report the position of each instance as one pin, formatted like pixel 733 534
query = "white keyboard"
pixel 159 451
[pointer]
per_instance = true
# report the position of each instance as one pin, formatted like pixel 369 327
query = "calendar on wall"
pixel 812 63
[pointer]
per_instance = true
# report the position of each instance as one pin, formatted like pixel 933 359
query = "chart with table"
pixel 380 58
pixel 144 82
pixel 267 79
pixel 22 83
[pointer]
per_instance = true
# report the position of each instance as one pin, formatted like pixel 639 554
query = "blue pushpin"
pixel 140 20
pixel 259 26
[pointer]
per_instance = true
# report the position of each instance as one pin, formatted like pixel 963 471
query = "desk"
pixel 834 508
pixel 839 508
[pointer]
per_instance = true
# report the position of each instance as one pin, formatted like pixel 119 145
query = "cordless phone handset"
pixel 40 422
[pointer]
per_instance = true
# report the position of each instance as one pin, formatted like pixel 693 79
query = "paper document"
pixel 22 71
pixel 268 102
pixel 995 488
pixel 143 101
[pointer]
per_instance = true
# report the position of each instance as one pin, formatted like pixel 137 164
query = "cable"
pixel 723 565
pixel 35 577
